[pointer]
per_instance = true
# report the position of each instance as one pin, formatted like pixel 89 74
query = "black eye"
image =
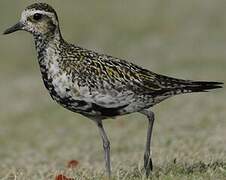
pixel 37 16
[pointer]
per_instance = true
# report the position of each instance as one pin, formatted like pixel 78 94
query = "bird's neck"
pixel 48 49
pixel 43 41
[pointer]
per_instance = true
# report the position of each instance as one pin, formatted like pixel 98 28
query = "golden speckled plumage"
pixel 97 85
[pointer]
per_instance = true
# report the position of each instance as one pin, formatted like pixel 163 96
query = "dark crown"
pixel 42 7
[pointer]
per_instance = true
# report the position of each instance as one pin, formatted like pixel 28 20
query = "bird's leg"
pixel 147 159
pixel 106 145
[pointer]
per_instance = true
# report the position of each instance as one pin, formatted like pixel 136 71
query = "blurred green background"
pixel 180 38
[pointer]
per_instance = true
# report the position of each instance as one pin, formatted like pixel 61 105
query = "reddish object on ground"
pixel 72 164
pixel 62 177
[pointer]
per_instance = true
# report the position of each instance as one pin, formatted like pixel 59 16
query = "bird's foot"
pixel 148 166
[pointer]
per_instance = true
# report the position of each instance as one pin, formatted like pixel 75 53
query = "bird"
pixel 95 85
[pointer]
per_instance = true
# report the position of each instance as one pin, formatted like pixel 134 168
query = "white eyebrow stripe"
pixel 31 12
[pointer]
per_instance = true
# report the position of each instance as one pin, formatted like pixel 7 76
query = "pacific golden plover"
pixel 95 85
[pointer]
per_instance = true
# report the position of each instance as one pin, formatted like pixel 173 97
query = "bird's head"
pixel 38 19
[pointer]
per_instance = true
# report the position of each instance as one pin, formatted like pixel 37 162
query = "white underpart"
pixel 61 81
pixel 110 101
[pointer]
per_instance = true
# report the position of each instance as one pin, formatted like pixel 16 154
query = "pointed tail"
pixel 200 86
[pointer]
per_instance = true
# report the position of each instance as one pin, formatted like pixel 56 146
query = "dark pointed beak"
pixel 16 27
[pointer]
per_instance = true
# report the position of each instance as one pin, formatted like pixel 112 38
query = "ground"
pixel 184 39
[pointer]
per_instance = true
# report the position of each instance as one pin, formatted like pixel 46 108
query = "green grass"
pixel 180 38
